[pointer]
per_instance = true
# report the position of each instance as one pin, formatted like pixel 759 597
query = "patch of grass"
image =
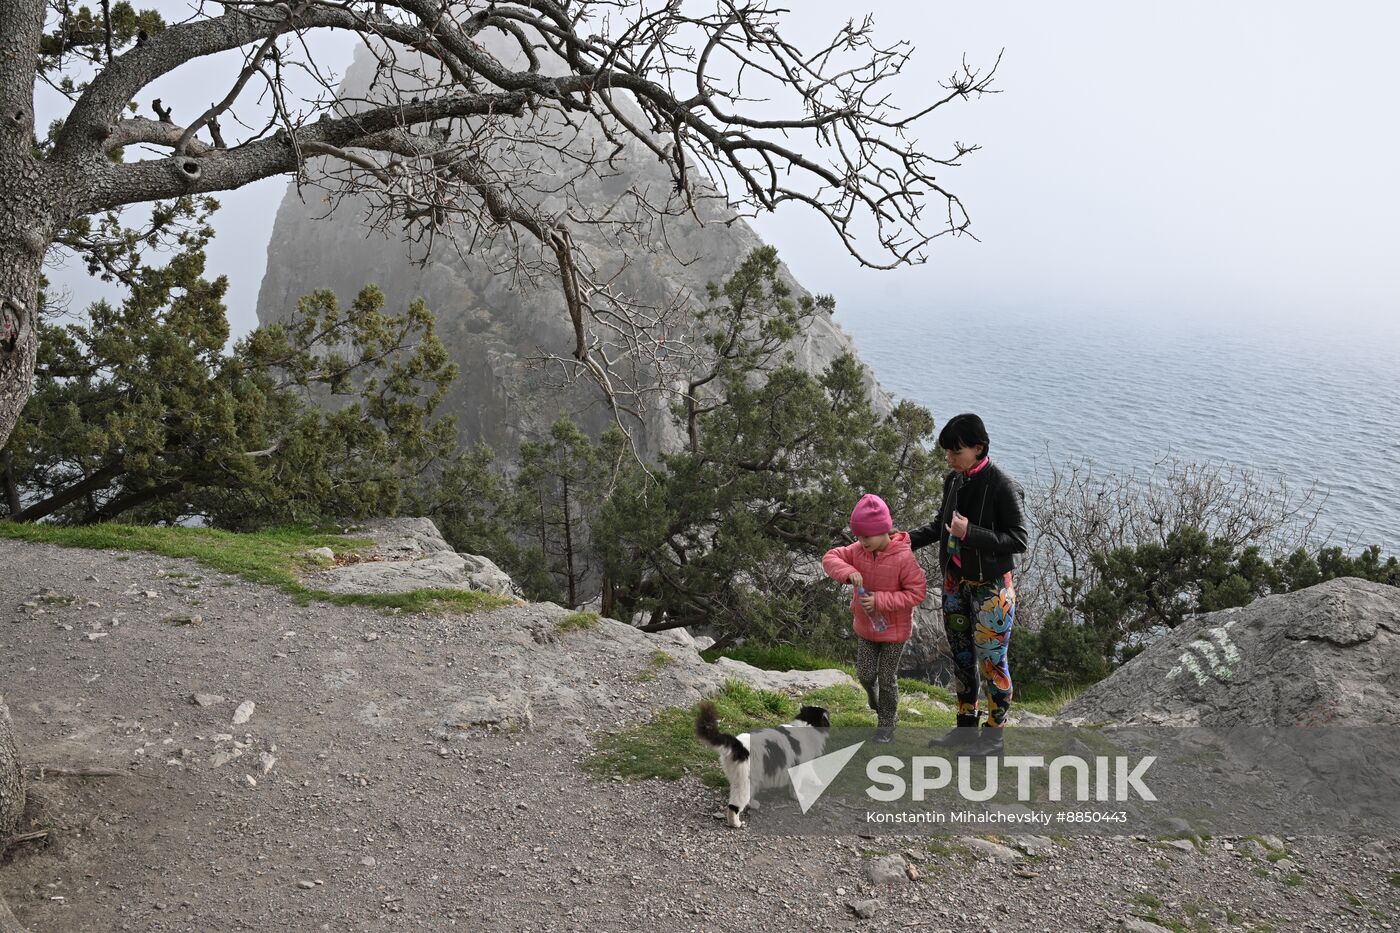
pixel 578 622
pixel 1047 701
pixel 1143 899
pixel 778 658
pixel 1261 872
pixel 272 558
pixel 1294 880
pixel 1353 900
pixel 1395 878
pixel 847 706
pixel 666 747
pixel 924 688
pixel 655 664
pixel 1276 856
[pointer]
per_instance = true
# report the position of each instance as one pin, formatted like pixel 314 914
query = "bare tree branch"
pixel 485 123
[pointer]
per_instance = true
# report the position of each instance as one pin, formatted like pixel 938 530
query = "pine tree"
pixel 729 532
pixel 139 413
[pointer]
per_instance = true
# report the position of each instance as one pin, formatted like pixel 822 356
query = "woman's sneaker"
pixel 989 743
pixel 884 735
pixel 964 733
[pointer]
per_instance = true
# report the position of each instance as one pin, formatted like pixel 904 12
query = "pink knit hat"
pixel 871 517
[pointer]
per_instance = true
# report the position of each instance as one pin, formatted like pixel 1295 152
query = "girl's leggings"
pixel 977 617
pixel 877 669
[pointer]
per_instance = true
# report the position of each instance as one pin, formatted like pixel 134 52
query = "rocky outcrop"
pixel 927 655
pixel 493 323
pixel 1326 654
pixel 408 554
pixel 608 644
pixel 531 682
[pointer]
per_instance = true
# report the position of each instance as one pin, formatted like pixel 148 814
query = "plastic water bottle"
pixel 876 617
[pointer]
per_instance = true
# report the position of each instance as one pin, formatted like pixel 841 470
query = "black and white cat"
pixel 757 761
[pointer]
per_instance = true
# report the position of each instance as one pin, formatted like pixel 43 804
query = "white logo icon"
pixel 811 778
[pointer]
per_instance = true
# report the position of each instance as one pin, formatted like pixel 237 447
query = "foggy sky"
pixel 1165 159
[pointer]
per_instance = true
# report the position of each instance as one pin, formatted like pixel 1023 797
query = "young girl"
pixel 980 529
pixel 888 584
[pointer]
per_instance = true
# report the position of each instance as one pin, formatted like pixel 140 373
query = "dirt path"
pixel 355 804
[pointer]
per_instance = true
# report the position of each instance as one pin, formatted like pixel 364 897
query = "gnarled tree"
pixel 736 111
pixel 712 89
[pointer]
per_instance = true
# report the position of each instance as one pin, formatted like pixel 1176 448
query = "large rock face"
pixel 1327 654
pixel 492 325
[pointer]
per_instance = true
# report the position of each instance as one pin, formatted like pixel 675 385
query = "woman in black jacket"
pixel 979 529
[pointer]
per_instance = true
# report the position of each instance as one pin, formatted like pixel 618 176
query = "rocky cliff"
pixel 494 325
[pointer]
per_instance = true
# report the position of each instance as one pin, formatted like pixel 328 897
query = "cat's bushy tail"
pixel 707 728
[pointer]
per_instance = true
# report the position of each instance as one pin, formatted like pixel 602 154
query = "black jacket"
pixel 996 527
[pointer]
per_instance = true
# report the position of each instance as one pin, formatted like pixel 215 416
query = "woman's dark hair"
pixel 965 430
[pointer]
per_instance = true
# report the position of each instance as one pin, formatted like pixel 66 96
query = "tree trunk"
pixel 11 787
pixel 99 480
pixel 26 229
pixel 23 242
pixel 11 490
pixel 19 289
pixel 29 202
pixel 8 923
pixel 608 597
pixel 569 548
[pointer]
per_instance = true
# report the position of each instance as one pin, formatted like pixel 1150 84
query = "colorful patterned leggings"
pixel 877 669
pixel 977 617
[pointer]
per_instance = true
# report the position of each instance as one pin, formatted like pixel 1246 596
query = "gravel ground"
pixel 355 803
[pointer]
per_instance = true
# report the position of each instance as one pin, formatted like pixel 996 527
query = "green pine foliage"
pixel 88 33
pixel 140 413
pixel 561 487
pixel 729 533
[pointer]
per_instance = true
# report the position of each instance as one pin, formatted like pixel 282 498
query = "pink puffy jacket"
pixel 892 576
